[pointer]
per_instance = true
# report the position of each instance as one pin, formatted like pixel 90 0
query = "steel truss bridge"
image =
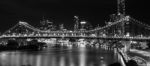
pixel 126 28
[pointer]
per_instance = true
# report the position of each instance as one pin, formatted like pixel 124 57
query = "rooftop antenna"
pixel 121 7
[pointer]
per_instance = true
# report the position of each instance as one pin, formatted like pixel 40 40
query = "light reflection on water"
pixel 58 57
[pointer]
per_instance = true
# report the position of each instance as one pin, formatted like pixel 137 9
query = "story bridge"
pixel 126 28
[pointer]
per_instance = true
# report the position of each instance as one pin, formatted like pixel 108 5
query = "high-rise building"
pixel 85 25
pixel 120 12
pixel 76 25
pixel 61 27
pixel 47 25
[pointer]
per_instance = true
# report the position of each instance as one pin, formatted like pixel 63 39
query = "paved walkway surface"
pixel 141 53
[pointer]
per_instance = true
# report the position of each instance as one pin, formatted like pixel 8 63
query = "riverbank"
pixel 145 54
pixel 14 45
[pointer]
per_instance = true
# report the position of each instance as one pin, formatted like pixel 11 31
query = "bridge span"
pixel 85 37
pixel 126 28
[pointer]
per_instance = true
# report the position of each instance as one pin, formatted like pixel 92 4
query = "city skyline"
pixel 59 11
pixel 83 32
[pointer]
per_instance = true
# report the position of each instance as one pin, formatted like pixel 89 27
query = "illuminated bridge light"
pixel 100 32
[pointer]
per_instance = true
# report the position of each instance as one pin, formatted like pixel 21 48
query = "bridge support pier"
pixel 127 45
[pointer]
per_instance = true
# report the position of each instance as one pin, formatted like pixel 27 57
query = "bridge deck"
pixel 88 37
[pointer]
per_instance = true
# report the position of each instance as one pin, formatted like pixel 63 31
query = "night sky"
pixel 62 11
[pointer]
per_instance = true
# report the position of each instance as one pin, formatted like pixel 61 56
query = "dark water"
pixel 58 57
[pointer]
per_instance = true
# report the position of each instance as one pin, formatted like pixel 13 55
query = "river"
pixel 59 57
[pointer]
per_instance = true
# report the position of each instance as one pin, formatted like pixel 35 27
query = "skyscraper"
pixel 76 25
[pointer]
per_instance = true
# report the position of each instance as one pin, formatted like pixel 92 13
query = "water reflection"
pixel 82 57
pixel 58 57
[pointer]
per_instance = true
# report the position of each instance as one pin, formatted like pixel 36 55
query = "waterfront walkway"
pixel 145 54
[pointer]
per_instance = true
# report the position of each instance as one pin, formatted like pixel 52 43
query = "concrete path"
pixel 141 53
